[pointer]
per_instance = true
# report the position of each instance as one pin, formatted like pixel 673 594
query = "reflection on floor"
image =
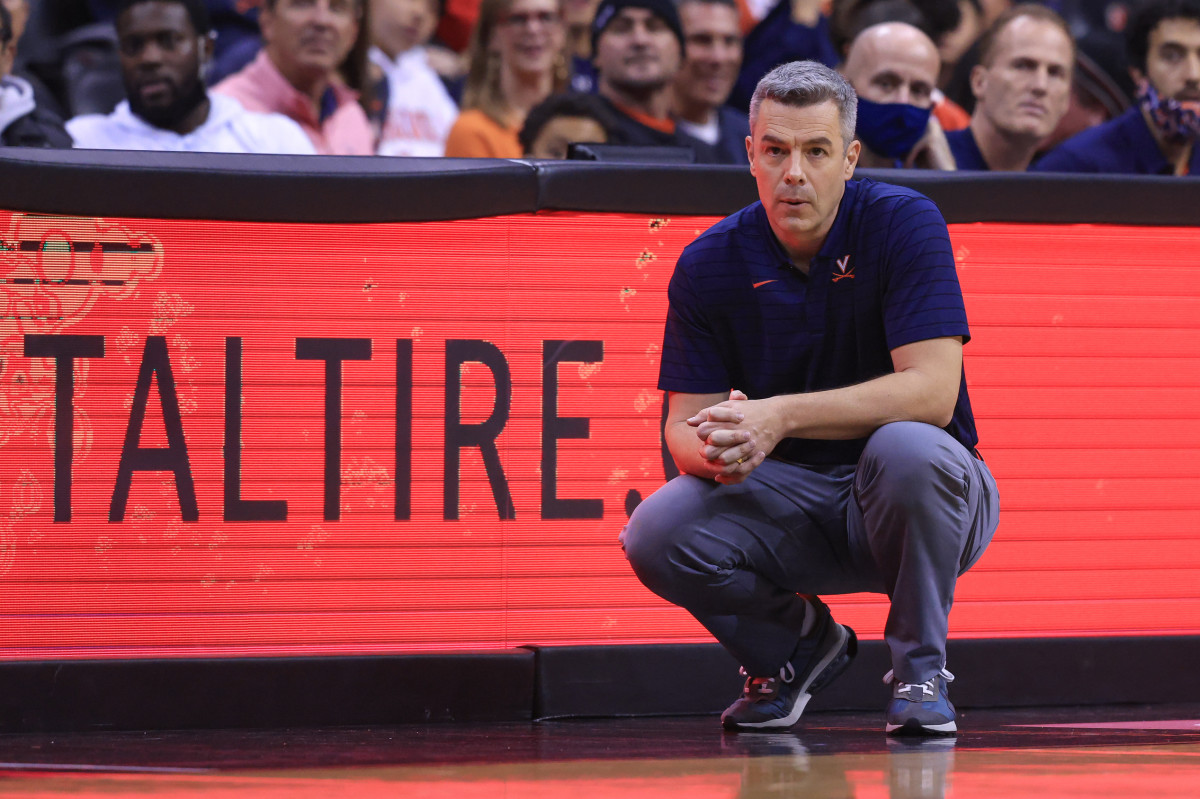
pixel 1032 752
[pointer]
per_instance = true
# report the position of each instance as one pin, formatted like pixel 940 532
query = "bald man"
pixel 894 69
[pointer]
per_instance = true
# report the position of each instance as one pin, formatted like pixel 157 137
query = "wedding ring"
pixel 741 460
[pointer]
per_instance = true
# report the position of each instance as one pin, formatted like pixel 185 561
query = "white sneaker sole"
pixel 949 726
pixel 786 721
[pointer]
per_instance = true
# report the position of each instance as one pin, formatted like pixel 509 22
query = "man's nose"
pixel 151 55
pixel 1192 73
pixel 1041 80
pixel 795 169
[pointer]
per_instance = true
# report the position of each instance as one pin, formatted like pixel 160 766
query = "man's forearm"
pixel 859 410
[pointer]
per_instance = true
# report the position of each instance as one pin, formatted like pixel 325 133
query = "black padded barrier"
pixel 695 679
pixel 266 692
pixel 279 188
pixel 262 188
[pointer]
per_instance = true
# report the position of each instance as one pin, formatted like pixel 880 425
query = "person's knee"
pixel 654 529
pixel 911 463
pixel 646 536
pixel 668 546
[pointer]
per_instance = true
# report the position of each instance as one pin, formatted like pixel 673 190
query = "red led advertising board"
pixel 244 439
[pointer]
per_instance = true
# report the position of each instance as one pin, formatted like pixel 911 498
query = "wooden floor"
pixel 1046 753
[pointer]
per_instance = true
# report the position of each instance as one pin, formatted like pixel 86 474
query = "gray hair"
pixel 805 83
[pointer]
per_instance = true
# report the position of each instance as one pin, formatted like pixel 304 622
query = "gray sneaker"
pixel 769 703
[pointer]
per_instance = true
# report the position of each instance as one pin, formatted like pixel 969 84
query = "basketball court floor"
pixel 1047 753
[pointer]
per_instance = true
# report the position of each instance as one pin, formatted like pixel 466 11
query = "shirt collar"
pixel 972 147
pixel 1147 157
pixel 291 101
pixel 661 125
pixel 835 243
pixel 412 58
pixel 1142 142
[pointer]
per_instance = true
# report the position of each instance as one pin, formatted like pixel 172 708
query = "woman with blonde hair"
pixel 516 60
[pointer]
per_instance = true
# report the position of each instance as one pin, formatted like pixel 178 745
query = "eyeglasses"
pixel 523 19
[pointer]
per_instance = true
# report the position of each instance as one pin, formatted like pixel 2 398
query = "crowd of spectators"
pixel 1059 85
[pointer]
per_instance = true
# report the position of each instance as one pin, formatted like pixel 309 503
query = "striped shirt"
pixel 741 316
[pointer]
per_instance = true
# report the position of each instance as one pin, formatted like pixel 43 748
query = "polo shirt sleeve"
pixel 692 360
pixel 921 296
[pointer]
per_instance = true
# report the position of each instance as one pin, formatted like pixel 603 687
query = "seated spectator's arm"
pixel 932 151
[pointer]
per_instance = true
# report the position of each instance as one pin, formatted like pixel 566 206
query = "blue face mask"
pixel 891 129
pixel 1178 121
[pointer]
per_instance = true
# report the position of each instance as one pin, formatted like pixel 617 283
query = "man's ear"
pixel 208 47
pixel 266 23
pixel 978 80
pixel 852 154
pixel 750 152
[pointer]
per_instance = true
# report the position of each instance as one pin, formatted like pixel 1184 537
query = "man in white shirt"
pixel 711 62
pixel 164 46
pixel 419 112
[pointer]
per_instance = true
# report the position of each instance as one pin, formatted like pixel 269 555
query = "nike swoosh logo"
pixel 765 282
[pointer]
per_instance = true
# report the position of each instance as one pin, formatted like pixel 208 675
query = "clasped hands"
pixel 735 436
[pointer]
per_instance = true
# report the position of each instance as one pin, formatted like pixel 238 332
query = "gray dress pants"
pixel 915 512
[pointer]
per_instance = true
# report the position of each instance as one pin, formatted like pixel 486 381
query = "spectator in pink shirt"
pixel 299 72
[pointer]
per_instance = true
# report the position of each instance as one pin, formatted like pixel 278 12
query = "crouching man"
pixel 819 414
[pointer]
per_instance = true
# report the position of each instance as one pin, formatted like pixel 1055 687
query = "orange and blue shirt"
pixel 742 316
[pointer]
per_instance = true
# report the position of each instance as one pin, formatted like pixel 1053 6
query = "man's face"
pixel 798 158
pixel 893 63
pixel 1173 60
pixel 637 50
pixel 309 37
pixel 397 26
pixel 1026 88
pixel 161 60
pixel 714 53
pixel 19 9
pixel 529 37
pixel 556 134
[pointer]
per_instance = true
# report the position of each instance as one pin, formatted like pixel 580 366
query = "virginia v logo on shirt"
pixel 844 269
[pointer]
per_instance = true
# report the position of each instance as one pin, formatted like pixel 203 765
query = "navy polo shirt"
pixel 966 152
pixel 1123 145
pixel 741 316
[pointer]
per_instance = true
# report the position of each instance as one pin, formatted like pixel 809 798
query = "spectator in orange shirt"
pixel 517 60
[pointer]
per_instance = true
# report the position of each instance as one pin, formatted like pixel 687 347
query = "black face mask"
pixel 169 117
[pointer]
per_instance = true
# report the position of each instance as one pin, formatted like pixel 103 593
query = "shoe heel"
pixel 838 664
